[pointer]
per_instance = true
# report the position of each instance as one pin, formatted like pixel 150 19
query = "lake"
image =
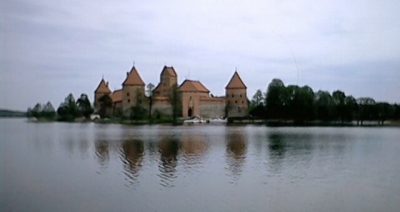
pixel 111 167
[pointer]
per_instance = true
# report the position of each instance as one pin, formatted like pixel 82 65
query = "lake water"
pixel 98 167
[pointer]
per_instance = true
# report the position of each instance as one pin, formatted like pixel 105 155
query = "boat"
pixel 194 120
pixel 218 120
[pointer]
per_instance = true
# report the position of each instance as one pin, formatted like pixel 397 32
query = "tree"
pixel 149 91
pixel 396 113
pixel 257 100
pixel 324 105
pixel 300 102
pixel 339 99
pixel 384 111
pixel 175 100
pixel 48 111
pixel 84 106
pixel 138 111
pixel 274 99
pixel 105 105
pixel 29 112
pixel 365 109
pixel 350 108
pixel 68 110
pixel 37 110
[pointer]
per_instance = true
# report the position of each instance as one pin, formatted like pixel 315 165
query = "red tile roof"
pixel 235 82
pixel 170 71
pixel 102 87
pixel 116 96
pixel 133 78
pixel 193 86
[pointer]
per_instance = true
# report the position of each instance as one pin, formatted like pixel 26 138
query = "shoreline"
pixel 268 123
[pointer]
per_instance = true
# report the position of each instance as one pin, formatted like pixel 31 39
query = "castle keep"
pixel 196 98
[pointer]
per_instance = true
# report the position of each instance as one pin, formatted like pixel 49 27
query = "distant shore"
pixel 271 123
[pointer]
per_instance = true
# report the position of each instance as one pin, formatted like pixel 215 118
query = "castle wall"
pixel 129 96
pixel 117 108
pixel 191 103
pixel 212 107
pixel 162 107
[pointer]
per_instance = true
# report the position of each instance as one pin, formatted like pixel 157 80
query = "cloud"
pixel 52 48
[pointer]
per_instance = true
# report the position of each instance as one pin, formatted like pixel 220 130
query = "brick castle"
pixel 196 98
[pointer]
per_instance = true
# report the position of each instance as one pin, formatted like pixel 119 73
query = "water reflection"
pixel 277 150
pixel 194 147
pixel 132 151
pixel 236 149
pixel 276 146
pixel 169 149
pixel 102 152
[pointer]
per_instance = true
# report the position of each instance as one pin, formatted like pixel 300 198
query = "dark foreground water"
pixel 94 167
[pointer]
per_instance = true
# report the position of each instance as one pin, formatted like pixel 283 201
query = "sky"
pixel 51 48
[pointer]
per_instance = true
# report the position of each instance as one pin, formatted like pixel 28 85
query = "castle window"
pixel 233 95
pixel 240 95
pixel 242 102
pixel 127 94
pixel 164 84
pixel 235 101
pixel 129 100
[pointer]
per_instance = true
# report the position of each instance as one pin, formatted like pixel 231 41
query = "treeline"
pixel 11 113
pixel 68 110
pixel 302 104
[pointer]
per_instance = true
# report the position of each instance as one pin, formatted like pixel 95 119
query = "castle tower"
pixel 192 92
pixel 132 90
pixel 236 97
pixel 101 90
pixel 168 78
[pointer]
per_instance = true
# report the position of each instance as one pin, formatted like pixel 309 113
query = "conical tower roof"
pixel 169 71
pixel 133 78
pixel 236 82
pixel 102 87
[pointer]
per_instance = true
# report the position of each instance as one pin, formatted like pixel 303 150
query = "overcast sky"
pixel 51 48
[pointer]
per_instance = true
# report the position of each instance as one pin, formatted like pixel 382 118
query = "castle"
pixel 196 98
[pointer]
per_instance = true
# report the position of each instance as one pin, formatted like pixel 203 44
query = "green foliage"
pixel 68 110
pixel 105 106
pixel 175 100
pixel 48 111
pixel 275 99
pixel 13 113
pixel 84 106
pixel 301 104
pixel 138 113
pixel 257 100
pixel 40 111
pixel 324 106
